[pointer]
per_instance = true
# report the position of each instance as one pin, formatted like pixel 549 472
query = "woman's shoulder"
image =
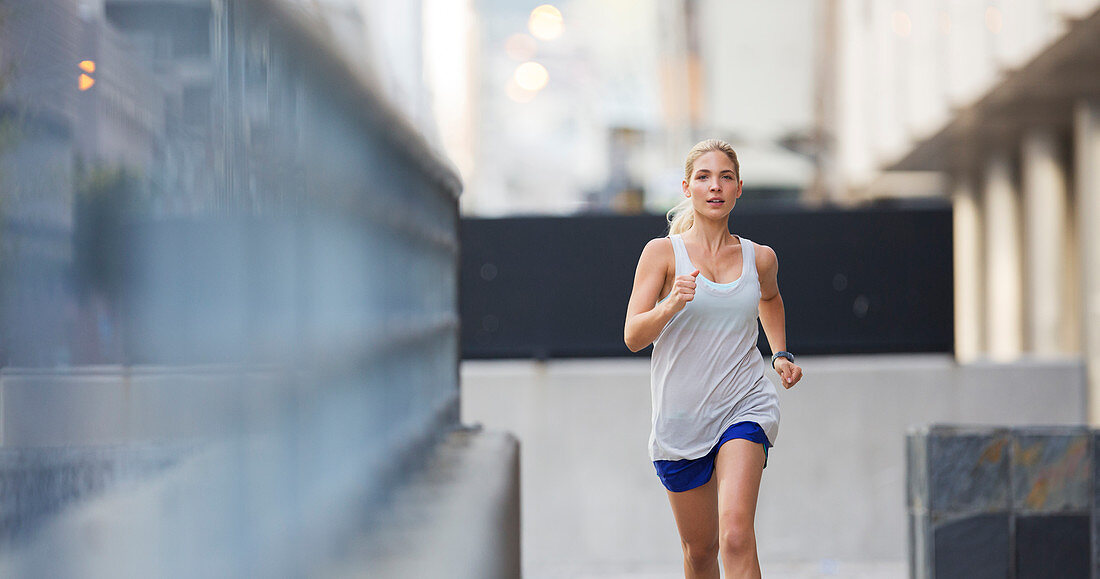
pixel 658 245
pixel 658 249
pixel 765 256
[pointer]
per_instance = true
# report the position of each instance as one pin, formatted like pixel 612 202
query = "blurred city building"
pixel 80 98
pixel 995 105
pixel 592 106
pixel 421 56
pixel 387 41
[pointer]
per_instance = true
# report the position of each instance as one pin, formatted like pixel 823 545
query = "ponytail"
pixel 681 217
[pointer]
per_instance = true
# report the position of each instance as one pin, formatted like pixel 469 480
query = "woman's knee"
pixel 700 554
pixel 738 537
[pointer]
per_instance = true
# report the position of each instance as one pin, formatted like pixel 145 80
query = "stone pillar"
pixel 1087 168
pixel 1047 243
pixel 1003 279
pixel 969 273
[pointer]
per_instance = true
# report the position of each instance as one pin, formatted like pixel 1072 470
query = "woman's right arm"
pixel 644 317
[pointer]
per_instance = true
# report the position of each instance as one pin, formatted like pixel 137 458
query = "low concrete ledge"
pixel 1002 502
pixel 36 483
pixel 234 509
pixel 458 518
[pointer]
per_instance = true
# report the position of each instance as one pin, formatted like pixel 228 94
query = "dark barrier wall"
pixel 853 281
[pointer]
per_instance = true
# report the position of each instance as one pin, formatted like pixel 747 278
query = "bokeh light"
pixel 545 22
pixel 518 93
pixel 520 47
pixel 531 76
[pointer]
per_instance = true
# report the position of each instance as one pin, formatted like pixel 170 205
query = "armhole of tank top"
pixel 750 255
pixel 679 253
pixel 675 265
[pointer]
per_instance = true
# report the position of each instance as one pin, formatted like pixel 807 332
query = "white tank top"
pixel 706 373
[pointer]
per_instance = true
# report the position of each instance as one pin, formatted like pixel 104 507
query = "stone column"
pixel 969 273
pixel 1047 244
pixel 1003 279
pixel 1087 178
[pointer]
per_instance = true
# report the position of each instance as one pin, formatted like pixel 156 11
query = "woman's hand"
pixel 789 372
pixel 683 291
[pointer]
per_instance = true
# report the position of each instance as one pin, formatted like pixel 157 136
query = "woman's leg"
pixel 737 469
pixel 696 513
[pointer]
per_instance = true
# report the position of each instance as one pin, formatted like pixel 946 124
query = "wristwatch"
pixel 782 354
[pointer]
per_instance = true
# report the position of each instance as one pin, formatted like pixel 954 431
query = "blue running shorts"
pixel 683 475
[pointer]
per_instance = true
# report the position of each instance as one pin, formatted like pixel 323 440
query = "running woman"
pixel 697 296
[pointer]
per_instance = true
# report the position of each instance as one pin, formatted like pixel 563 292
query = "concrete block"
pixel 458 517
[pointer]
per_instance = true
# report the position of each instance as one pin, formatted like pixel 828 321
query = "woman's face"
pixel 713 188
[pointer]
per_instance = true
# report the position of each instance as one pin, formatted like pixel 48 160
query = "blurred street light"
pixel 84 81
pixel 518 93
pixel 545 22
pixel 531 76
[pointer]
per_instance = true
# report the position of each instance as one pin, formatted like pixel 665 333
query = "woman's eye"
pixel 729 177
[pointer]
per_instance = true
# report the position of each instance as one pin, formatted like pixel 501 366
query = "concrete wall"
pixel 217 513
pixel 169 464
pixel 834 489
pixel 459 516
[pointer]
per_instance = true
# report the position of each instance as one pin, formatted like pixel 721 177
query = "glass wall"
pixel 214 234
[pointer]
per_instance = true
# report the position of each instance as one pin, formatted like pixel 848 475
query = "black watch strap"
pixel 782 354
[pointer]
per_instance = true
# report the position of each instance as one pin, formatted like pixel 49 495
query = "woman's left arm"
pixel 772 316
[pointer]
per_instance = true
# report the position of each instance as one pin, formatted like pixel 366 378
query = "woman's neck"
pixel 711 233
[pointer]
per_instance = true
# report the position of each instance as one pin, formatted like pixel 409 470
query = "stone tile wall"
pixel 1002 502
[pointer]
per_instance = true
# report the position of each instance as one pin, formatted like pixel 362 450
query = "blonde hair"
pixel 682 217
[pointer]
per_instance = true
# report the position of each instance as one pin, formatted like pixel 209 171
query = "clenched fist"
pixel 789 372
pixel 683 291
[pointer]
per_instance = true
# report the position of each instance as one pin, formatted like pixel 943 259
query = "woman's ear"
pixel 684 187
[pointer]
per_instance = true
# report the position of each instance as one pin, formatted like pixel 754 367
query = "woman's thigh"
pixel 696 513
pixel 737 470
